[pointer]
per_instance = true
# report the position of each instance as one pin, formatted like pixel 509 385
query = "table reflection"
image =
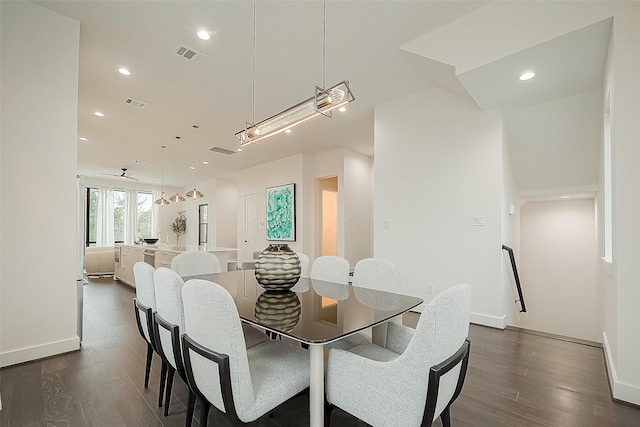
pixel 278 309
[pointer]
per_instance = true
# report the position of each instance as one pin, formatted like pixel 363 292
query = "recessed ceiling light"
pixel 82 138
pixel 192 167
pixel 287 131
pixel 527 76
pixel 342 109
pixel 99 114
pixel 204 35
pixel 238 149
pixel 565 197
pixel 205 163
pixel 124 71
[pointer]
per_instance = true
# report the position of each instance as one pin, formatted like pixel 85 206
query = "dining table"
pixel 314 313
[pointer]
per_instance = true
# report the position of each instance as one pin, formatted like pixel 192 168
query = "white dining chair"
pixel 144 307
pixel 194 263
pixel 416 376
pixel 245 384
pixel 377 274
pixel 304 264
pixel 329 268
pixel 168 325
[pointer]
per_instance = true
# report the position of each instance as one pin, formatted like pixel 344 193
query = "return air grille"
pixel 135 103
pixel 222 151
pixel 189 54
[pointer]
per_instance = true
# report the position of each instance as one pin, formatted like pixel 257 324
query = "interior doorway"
pixel 250 243
pixel 328 215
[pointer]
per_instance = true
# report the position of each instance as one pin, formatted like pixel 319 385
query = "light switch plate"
pixel 478 221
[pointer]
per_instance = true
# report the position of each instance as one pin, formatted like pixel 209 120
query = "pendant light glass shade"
pixel 177 198
pixel 322 103
pixel 162 201
pixel 195 194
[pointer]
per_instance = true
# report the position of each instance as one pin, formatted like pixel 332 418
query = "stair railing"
pixel 523 308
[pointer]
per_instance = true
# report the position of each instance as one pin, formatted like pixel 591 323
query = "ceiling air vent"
pixel 222 151
pixel 189 54
pixel 135 103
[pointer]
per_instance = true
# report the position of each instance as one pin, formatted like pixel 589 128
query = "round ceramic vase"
pixel 277 268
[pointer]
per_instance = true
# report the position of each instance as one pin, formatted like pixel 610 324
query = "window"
pixel 92 216
pixel 117 215
pixel 145 214
pixel 119 202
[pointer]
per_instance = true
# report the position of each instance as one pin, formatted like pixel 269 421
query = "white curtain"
pixel 104 218
pixel 131 217
pixel 156 216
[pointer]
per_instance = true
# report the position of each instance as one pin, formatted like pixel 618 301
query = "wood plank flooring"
pixel 514 379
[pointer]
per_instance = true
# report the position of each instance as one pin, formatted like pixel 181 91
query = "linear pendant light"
pixel 177 198
pixel 324 101
pixel 195 194
pixel 162 201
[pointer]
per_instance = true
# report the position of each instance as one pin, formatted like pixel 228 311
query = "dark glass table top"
pixel 313 311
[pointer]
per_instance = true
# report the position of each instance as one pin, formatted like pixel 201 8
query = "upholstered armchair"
pixel 417 375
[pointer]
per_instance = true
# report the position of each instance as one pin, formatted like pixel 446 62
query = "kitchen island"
pixel 159 255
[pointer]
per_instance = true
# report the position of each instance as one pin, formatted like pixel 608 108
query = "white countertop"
pixel 179 248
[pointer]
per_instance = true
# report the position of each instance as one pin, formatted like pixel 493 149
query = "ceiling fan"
pixel 123 175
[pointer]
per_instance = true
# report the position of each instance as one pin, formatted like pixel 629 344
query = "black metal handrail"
pixel 515 275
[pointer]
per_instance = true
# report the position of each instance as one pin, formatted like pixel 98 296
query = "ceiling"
pixel 363 40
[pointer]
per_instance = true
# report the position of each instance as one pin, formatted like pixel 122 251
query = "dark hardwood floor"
pixel 514 379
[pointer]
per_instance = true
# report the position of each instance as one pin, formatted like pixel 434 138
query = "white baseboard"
pixel 38 352
pixel 486 320
pixel 476 318
pixel 620 390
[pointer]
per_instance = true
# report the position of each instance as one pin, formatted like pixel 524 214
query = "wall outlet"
pixel 429 288
pixel 386 224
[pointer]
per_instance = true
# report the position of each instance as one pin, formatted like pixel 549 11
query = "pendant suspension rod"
pixel 324 41
pixel 177 140
pixel 195 162
pixel 253 67
pixel 162 169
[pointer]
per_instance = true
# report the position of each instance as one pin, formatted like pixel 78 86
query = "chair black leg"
pixel 445 416
pixel 163 377
pixel 191 406
pixel 204 415
pixel 147 369
pixel 167 396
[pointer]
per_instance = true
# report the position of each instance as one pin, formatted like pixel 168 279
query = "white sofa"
pixel 99 260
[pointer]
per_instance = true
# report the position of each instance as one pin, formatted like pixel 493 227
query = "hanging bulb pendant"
pixel 177 198
pixel 195 194
pixel 162 201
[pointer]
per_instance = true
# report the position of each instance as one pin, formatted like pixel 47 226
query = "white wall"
pixel 558 265
pixel 622 297
pixel 256 180
pixel 437 165
pixel 39 86
pixel 357 194
pixel 354 175
pixel 226 211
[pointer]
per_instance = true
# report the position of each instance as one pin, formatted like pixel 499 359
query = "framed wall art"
pixel 281 213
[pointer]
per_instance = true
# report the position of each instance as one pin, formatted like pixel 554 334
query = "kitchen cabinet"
pixel 129 255
pixel 163 258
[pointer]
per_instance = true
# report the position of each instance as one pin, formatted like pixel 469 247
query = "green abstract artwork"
pixel 281 212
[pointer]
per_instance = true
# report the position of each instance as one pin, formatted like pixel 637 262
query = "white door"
pixel 250 243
